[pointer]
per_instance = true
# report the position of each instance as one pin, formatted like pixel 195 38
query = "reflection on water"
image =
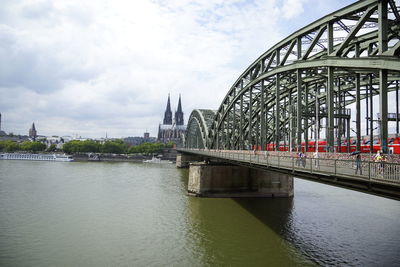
pixel 335 226
pixel 107 214
pixel 326 225
pixel 229 235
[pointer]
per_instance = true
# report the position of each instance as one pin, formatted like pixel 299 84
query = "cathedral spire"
pixel 168 109
pixel 168 113
pixel 179 113
pixel 179 104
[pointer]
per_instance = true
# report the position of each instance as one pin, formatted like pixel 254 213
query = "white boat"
pixel 152 160
pixel 40 157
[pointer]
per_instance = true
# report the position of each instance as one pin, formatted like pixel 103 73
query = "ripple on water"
pixel 107 214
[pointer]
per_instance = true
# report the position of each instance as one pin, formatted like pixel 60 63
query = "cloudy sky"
pixel 93 67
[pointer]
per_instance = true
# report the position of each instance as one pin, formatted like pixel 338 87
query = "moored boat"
pixel 152 160
pixel 156 160
pixel 39 157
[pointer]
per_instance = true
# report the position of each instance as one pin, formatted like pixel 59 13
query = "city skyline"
pixel 102 66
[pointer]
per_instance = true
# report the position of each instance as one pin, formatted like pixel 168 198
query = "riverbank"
pixel 167 154
pixel 109 157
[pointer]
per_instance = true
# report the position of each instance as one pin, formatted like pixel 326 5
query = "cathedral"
pixel 172 129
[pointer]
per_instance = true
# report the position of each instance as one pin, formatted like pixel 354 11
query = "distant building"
pixel 32 132
pixel 55 140
pixel 2 133
pixel 138 140
pixel 172 130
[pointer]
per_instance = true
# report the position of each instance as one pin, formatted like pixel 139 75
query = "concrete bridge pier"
pixel 218 180
pixel 183 160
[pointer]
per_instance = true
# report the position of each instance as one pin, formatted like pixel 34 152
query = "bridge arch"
pixel 198 127
pixel 343 58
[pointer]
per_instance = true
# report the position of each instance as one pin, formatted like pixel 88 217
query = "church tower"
pixel 168 113
pixel 172 130
pixel 179 113
pixel 32 132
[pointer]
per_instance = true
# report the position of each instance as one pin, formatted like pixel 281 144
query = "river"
pixel 136 214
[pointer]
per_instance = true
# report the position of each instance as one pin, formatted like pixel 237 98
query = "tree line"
pixel 11 146
pixel 87 146
pixel 115 147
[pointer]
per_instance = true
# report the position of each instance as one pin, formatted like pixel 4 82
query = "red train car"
pixel 393 146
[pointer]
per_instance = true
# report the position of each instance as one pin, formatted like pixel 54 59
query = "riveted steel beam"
pixel 327 76
pixel 383 109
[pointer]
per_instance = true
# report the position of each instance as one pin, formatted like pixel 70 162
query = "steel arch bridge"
pixel 316 73
pixel 198 127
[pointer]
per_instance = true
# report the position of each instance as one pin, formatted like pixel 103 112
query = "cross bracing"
pixel 198 126
pixel 344 58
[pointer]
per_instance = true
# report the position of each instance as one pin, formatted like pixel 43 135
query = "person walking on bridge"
pixel 303 159
pixel 316 157
pixel 298 158
pixel 379 160
pixel 358 163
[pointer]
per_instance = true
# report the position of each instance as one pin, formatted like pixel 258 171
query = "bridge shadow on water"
pixel 275 213
pixel 221 228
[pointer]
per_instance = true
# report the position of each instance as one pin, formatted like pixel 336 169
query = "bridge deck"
pixel 375 176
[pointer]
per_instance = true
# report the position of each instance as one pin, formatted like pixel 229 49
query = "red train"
pixel 393 145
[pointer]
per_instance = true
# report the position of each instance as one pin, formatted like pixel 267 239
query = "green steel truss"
pixel 200 121
pixel 317 72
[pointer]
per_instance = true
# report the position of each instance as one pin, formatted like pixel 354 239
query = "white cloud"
pixel 292 8
pixel 90 67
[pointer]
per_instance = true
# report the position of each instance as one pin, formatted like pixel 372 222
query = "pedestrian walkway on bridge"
pixel 327 166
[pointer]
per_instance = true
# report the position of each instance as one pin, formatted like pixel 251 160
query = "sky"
pixel 96 67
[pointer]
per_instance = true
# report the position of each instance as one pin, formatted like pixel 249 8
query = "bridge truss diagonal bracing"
pixel 198 127
pixel 303 88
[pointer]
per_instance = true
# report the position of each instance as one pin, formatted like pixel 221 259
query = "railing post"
pixel 369 170
pixel 335 165
pixel 279 161
pixel 292 164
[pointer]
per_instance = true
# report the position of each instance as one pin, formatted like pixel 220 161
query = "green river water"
pixel 136 214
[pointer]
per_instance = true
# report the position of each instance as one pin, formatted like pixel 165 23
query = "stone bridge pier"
pixel 217 179
pixel 183 160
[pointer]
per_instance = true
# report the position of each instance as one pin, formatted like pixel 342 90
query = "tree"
pixel 32 146
pixel 52 148
pixel 89 146
pixel 170 144
pixel 67 147
pixel 146 148
pixel 116 147
pixel 9 146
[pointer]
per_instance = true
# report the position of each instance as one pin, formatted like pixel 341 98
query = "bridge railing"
pixel 368 170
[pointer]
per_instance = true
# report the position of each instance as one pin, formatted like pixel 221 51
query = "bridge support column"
pixel 183 160
pixel 210 180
